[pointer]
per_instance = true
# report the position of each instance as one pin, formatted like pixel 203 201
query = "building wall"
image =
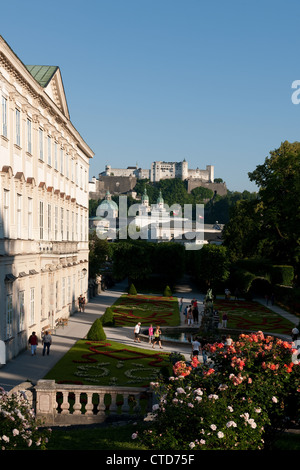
pixel 44 165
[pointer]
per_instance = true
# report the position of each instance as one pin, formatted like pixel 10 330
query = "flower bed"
pixel 159 310
pixel 108 363
pixel 251 391
pixel 252 316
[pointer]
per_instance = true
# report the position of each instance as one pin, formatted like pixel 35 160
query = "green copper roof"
pixel 42 73
pixel 145 196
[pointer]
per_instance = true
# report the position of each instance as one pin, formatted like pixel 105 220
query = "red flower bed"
pixel 96 348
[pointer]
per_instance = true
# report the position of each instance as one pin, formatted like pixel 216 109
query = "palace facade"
pixel 44 168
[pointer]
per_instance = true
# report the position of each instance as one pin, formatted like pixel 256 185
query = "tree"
pixel 100 252
pixel 279 199
pixel 212 264
pixel 242 233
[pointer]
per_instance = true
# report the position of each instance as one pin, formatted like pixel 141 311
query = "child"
pixel 150 333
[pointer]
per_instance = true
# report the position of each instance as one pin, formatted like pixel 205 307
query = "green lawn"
pixel 245 315
pixel 119 438
pixel 108 363
pixel 148 309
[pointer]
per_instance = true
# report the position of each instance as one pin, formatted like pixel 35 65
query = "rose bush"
pixel 248 391
pixel 18 426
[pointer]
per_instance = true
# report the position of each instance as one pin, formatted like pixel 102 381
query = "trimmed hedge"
pixel 107 318
pixel 167 292
pixel 132 290
pixel 96 332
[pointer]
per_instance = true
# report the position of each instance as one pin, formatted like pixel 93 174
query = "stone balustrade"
pixel 61 404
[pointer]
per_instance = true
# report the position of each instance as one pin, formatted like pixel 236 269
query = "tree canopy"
pixel 270 225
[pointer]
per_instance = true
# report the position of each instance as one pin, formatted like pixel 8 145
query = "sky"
pixel 146 80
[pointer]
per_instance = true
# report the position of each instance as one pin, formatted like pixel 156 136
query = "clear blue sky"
pixel 145 80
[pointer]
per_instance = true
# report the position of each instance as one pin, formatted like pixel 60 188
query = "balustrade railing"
pixel 63 404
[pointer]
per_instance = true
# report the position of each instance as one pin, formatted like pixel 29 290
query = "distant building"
pixel 123 180
pixel 161 170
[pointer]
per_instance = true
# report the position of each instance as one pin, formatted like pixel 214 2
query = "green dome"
pixel 160 198
pixel 145 196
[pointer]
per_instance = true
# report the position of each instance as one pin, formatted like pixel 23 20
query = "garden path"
pixel 26 367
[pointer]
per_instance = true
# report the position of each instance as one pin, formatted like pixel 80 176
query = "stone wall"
pixel 219 188
pixel 114 184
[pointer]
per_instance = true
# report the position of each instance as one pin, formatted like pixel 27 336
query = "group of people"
pixel 154 335
pixel 192 315
pixel 191 312
pixel 81 303
pixel 34 341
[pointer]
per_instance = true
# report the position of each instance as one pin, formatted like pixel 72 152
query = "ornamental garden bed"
pixel 108 363
pixel 148 309
pixel 252 316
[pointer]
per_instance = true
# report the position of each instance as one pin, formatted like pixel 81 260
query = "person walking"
pixel 33 341
pixel 189 315
pixel 185 313
pixel 224 320
pixel 195 314
pixel 195 348
pixel 137 330
pixel 150 333
pixel 157 337
pixel 47 341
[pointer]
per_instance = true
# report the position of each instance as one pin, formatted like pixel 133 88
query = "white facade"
pixel 44 167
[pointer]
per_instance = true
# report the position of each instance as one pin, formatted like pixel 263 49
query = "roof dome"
pixel 145 196
pixel 160 198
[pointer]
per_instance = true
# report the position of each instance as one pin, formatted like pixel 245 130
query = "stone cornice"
pixel 17 70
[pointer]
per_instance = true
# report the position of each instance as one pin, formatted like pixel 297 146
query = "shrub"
pixel 107 318
pixel 18 425
pixel 167 292
pixel 96 332
pixel 132 290
pixel 252 390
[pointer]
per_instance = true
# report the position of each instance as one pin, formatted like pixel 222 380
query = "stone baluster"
pixel 89 404
pixel 113 408
pixel 65 404
pixel 125 407
pixel 77 404
pixel 101 404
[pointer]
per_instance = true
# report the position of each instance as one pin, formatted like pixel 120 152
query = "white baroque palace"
pixel 44 166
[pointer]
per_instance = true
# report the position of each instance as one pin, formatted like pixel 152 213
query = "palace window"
pixel 22 310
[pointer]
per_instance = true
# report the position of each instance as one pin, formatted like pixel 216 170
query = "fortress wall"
pixel 219 188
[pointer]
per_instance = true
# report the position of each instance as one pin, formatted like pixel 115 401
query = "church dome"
pixel 160 198
pixel 145 196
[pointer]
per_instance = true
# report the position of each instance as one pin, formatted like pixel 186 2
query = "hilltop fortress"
pixel 120 180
